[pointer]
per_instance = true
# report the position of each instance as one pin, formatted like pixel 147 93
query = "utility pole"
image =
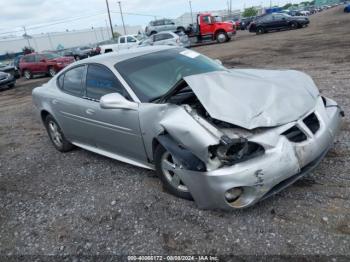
pixel 121 13
pixel 190 2
pixel 110 20
pixel 26 36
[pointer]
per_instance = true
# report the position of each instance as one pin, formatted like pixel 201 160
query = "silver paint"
pixel 262 104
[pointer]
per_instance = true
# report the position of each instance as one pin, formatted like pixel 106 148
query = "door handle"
pixel 90 111
pixel 55 101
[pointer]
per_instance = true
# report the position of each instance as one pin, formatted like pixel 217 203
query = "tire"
pixel 168 178
pixel 260 31
pixel 52 72
pixel 11 85
pixel 56 135
pixel 221 37
pixel 27 74
pixel 181 29
pixel 293 25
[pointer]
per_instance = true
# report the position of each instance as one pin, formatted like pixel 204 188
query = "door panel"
pixel 68 105
pixel 114 130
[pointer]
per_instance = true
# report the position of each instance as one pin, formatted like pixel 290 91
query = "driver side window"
pixel 206 19
pixel 101 81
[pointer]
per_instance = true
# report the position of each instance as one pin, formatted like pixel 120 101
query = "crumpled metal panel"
pixel 175 120
pixel 252 98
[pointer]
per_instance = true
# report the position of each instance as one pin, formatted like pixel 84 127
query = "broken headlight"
pixel 232 151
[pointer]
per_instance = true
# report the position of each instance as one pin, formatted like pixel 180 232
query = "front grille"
pixel 311 121
pixel 294 134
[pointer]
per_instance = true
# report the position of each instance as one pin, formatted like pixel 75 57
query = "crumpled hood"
pixel 252 98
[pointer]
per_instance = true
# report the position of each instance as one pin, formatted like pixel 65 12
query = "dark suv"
pixel 44 63
pixel 277 21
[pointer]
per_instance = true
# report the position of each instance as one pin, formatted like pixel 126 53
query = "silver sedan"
pixel 224 138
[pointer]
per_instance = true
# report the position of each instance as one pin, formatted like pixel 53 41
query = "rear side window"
pixel 29 58
pixel 101 81
pixel 72 81
pixel 122 40
pixel 130 39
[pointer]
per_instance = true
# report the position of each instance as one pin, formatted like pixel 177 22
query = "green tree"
pixel 251 11
pixel 286 6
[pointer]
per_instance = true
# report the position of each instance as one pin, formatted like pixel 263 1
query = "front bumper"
pixel 8 81
pixel 283 163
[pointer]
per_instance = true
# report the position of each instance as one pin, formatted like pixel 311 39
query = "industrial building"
pixel 61 40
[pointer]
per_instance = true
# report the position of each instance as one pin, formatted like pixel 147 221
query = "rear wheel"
pixel 165 166
pixel 27 74
pixel 56 135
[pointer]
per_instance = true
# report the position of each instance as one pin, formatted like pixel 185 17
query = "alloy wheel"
pixel 52 71
pixel 168 166
pixel 55 134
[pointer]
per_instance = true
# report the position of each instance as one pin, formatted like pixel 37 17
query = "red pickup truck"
pixel 209 29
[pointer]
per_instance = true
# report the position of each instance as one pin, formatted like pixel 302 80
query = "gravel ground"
pixel 82 203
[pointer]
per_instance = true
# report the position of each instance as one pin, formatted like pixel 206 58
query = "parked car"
pixel 123 42
pixel 245 22
pixel 9 68
pixel 347 9
pixel 43 63
pixel 161 25
pixel 277 21
pixel 176 111
pixel 16 61
pixel 168 38
pixel 7 80
pixel 82 52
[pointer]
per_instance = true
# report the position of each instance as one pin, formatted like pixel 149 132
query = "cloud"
pixel 16 13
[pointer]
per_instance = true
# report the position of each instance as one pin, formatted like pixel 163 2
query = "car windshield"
pixel 50 56
pixel 152 75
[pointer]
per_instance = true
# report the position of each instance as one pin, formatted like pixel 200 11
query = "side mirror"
pixel 218 61
pixel 117 101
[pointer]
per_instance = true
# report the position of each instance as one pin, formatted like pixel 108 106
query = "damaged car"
pixel 225 138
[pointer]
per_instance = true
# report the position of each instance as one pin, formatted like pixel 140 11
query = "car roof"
pixel 110 59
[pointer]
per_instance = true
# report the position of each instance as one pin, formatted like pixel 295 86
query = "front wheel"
pixel 165 165
pixel 56 135
pixel 221 37
pixel 52 71
pixel 27 74
pixel 260 31
pixel 294 25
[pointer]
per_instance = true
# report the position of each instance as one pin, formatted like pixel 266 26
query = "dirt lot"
pixel 83 203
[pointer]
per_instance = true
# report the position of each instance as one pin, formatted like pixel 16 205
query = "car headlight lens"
pixel 238 150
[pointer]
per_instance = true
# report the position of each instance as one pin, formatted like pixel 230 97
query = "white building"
pixel 61 40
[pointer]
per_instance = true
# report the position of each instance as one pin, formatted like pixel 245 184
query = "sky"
pixel 42 16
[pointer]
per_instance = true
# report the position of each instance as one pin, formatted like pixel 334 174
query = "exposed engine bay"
pixel 234 146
